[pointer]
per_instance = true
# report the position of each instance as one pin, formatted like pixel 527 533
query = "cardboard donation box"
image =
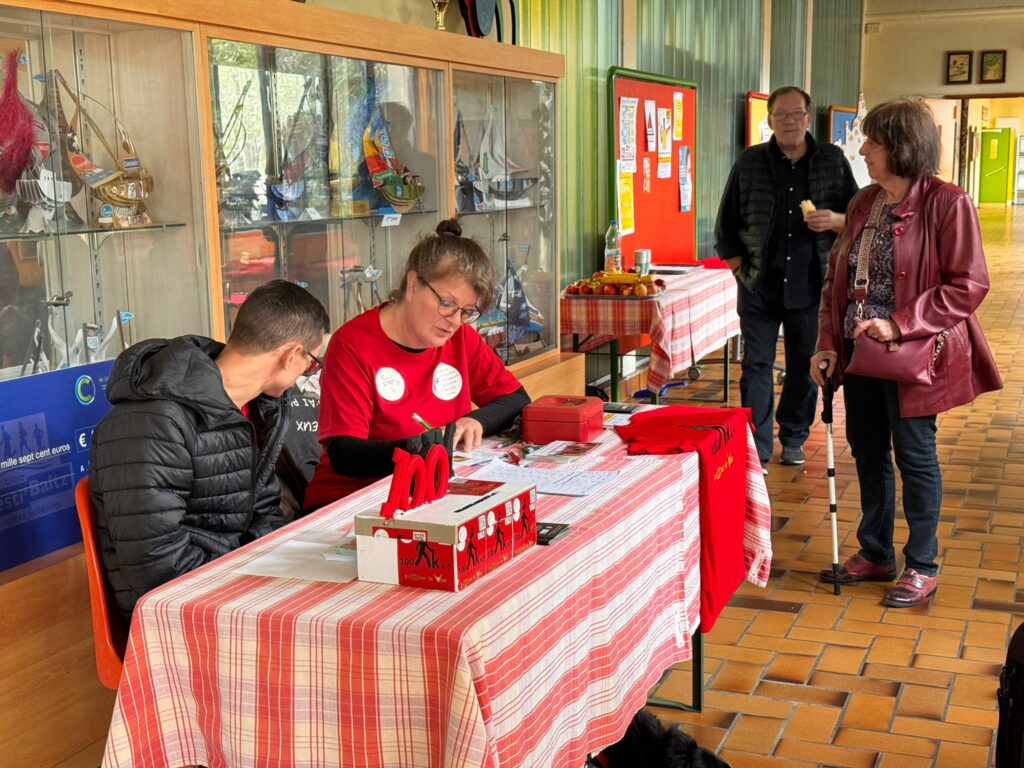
pixel 561 417
pixel 449 543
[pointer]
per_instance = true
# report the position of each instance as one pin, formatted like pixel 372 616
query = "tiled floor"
pixel 796 676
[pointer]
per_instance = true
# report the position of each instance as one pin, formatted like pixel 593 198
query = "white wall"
pixel 906 41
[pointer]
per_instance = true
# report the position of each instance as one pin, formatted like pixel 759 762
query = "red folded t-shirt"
pixel 719 436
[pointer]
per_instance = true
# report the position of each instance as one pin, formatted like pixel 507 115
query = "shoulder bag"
pixel 911 361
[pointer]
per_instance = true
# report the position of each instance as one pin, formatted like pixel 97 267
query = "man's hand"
pixel 469 432
pixel 734 263
pixel 824 220
pixel 819 374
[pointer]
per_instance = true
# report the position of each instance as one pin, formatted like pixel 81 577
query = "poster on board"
pixel 46 424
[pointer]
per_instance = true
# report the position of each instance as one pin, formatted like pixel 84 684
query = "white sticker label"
pixel 391 220
pixel 447 382
pixel 391 385
pixel 462 539
pixel 491 522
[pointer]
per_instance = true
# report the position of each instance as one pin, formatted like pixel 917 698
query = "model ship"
pixel 393 182
pixel 491 174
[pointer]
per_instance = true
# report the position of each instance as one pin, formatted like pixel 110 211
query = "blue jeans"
pixel 875 432
pixel 760 318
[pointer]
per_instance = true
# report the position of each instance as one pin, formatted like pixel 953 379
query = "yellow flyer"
pixel 625 197
pixel 677 116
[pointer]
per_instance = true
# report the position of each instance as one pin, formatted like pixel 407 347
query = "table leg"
pixel 614 367
pixel 725 362
pixel 697 683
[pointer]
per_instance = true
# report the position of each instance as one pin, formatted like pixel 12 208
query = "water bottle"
pixel 612 252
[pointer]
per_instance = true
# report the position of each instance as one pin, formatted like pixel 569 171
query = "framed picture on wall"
pixel 958 67
pixel 757 130
pixel 993 67
pixel 839 121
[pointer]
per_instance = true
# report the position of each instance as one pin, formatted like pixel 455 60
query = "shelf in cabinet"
pixel 502 209
pixel 372 216
pixel 90 231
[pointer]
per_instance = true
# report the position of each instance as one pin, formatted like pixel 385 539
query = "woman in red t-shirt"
pixel 415 354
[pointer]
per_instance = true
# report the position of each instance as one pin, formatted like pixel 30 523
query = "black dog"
pixel 649 744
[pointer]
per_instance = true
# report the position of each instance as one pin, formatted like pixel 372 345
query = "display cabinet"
pixel 328 170
pixel 505 195
pixel 331 167
pixel 101 224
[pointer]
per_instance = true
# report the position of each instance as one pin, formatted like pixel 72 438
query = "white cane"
pixel 830 462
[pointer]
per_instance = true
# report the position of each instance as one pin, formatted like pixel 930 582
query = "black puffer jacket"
pixel 745 216
pixel 178 474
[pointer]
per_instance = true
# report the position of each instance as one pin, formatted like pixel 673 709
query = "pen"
pixel 421 421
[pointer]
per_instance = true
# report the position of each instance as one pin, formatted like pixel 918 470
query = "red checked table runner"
pixel 532 665
pixel 694 315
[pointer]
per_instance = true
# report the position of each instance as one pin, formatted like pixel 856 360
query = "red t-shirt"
pixel 370 387
pixel 719 436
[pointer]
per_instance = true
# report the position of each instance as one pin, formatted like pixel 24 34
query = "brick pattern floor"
pixel 796 676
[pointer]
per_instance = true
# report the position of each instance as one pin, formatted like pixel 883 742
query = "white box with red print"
pixel 449 543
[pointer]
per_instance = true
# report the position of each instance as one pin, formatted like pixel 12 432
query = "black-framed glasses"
pixel 315 363
pixel 782 117
pixel 446 308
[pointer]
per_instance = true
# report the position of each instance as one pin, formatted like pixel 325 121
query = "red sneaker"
pixel 913 588
pixel 857 569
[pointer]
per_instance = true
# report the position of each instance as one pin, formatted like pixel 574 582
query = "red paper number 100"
pixel 416 481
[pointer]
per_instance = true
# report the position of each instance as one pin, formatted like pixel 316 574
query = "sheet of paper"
pixel 615 419
pixel 625 197
pixel 558 482
pixel 311 556
pixel 627 134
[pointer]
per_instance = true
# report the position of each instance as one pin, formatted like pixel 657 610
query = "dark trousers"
pixel 760 318
pixel 875 432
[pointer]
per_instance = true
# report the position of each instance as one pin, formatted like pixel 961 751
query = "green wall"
pixel 788 53
pixel 835 56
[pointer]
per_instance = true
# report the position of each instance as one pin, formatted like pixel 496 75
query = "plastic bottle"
pixel 612 252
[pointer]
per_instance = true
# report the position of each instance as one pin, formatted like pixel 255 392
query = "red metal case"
pixel 562 417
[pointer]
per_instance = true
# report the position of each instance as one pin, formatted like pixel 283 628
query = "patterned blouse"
pixel 881 299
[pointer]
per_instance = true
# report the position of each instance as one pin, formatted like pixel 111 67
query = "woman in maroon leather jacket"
pixel 927 274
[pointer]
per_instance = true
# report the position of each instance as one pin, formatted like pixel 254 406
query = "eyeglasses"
pixel 781 117
pixel 315 364
pixel 446 308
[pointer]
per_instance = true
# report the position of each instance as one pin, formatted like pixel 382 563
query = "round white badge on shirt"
pixel 391 385
pixel 447 382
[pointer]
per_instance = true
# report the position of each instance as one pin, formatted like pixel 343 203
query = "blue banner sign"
pixel 46 424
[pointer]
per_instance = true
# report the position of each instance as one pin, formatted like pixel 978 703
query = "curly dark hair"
pixel 447 253
pixel 906 128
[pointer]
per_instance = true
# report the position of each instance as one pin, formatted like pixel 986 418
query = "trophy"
pixel 440 6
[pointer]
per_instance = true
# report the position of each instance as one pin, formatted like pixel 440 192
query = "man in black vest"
pixel 779 256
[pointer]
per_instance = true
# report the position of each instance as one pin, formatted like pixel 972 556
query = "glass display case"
pixel 328 171
pixel 101 224
pixel 504 164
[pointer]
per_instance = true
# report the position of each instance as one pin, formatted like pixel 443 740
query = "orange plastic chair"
pixel 107 629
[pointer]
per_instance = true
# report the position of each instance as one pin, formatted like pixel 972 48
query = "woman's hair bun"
pixel 449 227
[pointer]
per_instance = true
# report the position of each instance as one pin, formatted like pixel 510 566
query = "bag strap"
pixel 867 239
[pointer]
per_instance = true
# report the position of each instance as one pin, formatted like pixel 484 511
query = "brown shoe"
pixel 913 588
pixel 857 569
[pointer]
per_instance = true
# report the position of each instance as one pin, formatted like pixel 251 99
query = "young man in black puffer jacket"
pixel 182 468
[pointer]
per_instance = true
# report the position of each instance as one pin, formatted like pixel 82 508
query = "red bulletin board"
pixel 658 223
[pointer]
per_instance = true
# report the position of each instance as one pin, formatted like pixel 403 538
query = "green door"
pixel 996 144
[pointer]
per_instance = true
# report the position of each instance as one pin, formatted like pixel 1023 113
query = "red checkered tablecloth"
pixel 693 316
pixel 533 665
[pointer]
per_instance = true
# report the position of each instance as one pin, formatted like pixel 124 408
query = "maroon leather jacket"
pixel 940 280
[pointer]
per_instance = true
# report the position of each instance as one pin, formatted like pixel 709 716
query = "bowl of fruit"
pixel 607 284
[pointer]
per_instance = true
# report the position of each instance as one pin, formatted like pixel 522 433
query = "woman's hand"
pixel 878 328
pixel 819 374
pixel 469 432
